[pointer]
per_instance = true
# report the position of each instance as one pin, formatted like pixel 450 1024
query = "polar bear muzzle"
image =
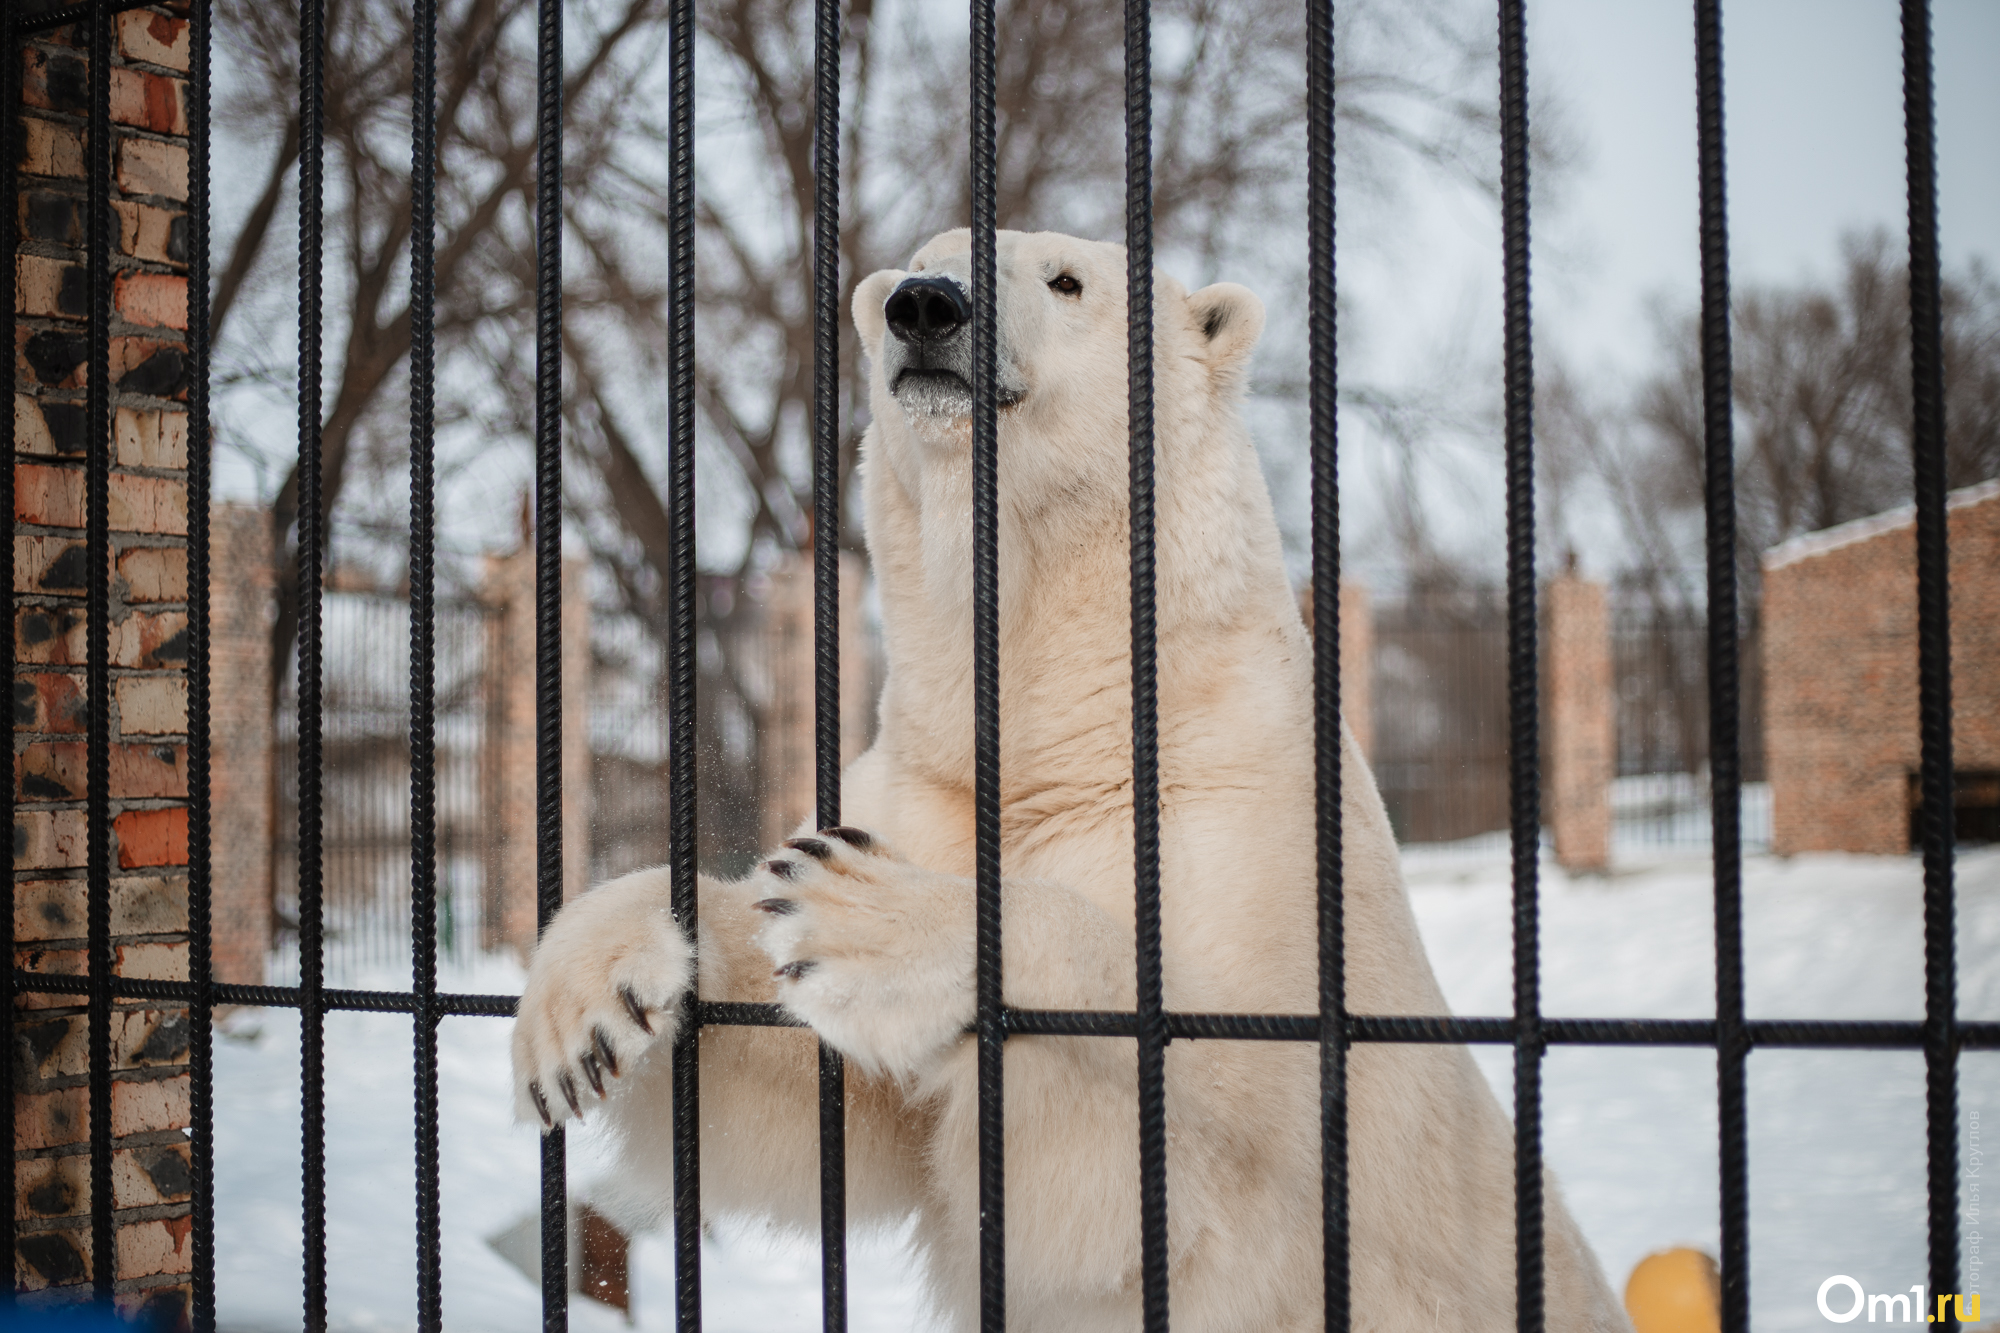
pixel 929 320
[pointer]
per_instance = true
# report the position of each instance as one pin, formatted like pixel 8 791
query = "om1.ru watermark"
pixel 1904 1307
pixel 1900 1308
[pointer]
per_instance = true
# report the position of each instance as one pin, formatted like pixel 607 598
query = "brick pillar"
pixel 508 909
pixel 240 737
pixel 147 710
pixel 1581 754
pixel 786 733
pixel 1357 659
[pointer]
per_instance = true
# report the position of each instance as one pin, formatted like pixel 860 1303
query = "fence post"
pixel 507 915
pixel 1581 743
pixel 54 438
pixel 785 731
pixel 1357 659
pixel 241 739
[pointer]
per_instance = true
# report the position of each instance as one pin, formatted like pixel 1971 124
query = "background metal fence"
pixel 1940 1035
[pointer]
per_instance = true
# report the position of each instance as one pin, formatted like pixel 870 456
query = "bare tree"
pixel 1414 85
pixel 486 158
pixel 1822 401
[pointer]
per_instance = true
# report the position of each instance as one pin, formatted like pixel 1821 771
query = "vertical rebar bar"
pixel 1145 679
pixel 826 613
pixel 10 119
pixel 1523 679
pixel 1724 699
pixel 1322 311
pixel 311 544
pixel 97 541
pixel 201 1069
pixel 992 1034
pixel 1933 652
pixel 681 831
pixel 548 594
pixel 423 652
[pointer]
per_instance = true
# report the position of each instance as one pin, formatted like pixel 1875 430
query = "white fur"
pixel 874 943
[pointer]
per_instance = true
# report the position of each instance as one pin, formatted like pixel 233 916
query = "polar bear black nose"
pixel 922 309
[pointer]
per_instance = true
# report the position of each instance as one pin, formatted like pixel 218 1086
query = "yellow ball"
pixel 1675 1291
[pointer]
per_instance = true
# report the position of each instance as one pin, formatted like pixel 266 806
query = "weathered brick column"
pixel 1357 659
pixel 508 905
pixel 147 710
pixel 787 740
pixel 1579 727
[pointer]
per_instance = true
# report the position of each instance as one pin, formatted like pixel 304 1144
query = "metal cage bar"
pixel 1724 740
pixel 681 646
pixel 97 506
pixel 1322 312
pixel 201 1071
pixel 1940 1035
pixel 423 653
pixel 1941 1026
pixel 10 98
pixel 826 614
pixel 548 595
pixel 992 1030
pixel 1152 1033
pixel 311 542
pixel 1523 715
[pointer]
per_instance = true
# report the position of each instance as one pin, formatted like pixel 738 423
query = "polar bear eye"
pixel 1065 285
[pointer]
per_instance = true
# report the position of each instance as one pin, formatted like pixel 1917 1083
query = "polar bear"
pixel 865 932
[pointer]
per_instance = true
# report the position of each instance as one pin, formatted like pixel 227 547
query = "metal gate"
pixel 1939 1035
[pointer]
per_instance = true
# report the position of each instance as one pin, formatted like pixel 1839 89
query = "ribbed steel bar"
pixel 1933 650
pixel 201 1070
pixel 65 15
pixel 681 849
pixel 826 614
pixel 1788 1033
pixel 992 1032
pixel 548 594
pixel 10 121
pixel 311 544
pixel 1321 313
pixel 423 651
pixel 1523 677
pixel 1724 748
pixel 97 542
pixel 1145 674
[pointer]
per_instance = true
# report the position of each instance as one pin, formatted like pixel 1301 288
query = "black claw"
pixel 541 1105
pixel 783 869
pixel 568 1086
pixel 776 906
pixel 605 1055
pixel 812 847
pixel 853 837
pixel 634 1008
pixel 590 1072
pixel 794 970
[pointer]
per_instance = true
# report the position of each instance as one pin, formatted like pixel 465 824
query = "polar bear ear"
pixel 1228 319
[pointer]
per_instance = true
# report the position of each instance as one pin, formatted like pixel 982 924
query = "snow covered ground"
pixel 1836 1138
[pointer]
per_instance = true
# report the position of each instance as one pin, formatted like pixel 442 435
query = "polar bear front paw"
pixel 873 952
pixel 605 984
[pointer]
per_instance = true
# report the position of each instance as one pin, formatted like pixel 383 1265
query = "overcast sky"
pixel 1814 150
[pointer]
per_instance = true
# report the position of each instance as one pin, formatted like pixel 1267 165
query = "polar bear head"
pixel 1062 347
pixel 1062 388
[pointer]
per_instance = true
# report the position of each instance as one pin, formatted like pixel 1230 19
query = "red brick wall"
pixel 1840 673
pixel 147 709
